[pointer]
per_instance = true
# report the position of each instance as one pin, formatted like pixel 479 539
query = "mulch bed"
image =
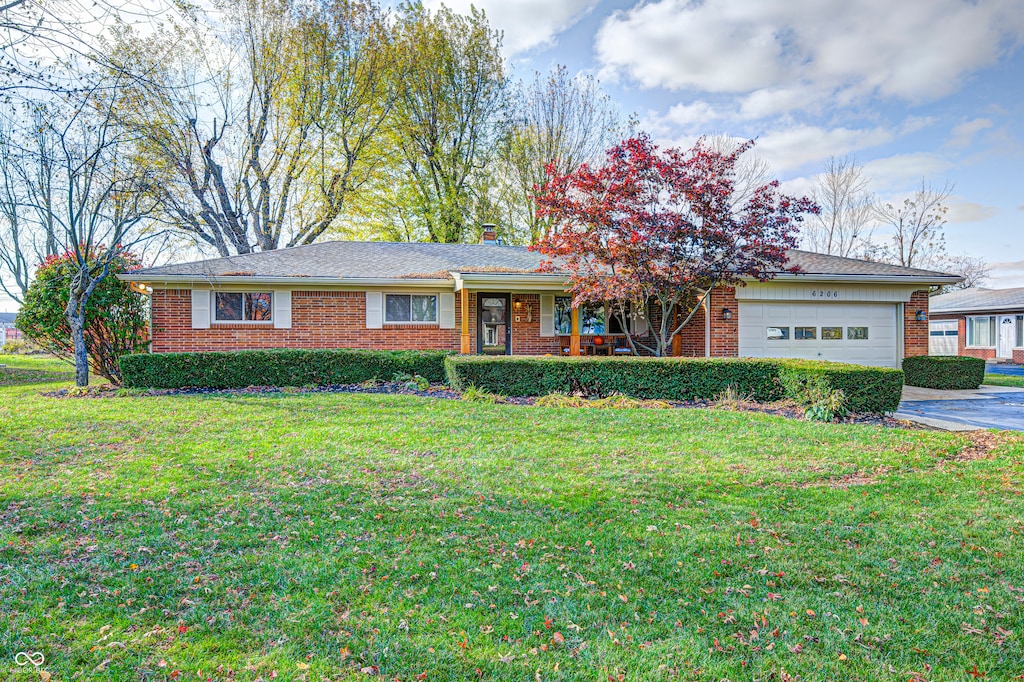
pixel 787 410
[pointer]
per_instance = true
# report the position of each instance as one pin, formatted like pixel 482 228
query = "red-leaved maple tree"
pixel 652 231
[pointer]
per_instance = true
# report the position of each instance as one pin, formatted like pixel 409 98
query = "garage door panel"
pixel 880 348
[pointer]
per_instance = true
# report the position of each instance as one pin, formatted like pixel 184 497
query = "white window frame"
pixel 1018 323
pixel 216 320
pixel 970 335
pixel 436 322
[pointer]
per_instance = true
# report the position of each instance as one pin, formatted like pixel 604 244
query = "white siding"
pixel 827 293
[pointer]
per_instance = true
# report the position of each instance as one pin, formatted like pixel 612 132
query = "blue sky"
pixel 915 89
pixel 912 89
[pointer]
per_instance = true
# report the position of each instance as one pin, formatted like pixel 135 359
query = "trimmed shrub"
pixel 867 389
pixel 946 372
pixel 278 367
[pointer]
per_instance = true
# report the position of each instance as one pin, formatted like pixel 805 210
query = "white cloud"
pixel 526 23
pixel 963 134
pixel 903 169
pixel 791 148
pixel 787 53
pixel 964 211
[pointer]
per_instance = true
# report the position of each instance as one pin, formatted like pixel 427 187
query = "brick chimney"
pixel 488 234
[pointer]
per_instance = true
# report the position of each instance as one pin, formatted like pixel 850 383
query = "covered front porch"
pixel 532 314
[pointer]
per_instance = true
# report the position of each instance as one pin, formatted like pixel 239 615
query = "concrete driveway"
pixel 989 407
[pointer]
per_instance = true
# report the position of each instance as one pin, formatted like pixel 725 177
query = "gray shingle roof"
pixel 973 300
pixel 358 260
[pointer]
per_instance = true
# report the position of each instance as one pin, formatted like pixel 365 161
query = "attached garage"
pixel 862 333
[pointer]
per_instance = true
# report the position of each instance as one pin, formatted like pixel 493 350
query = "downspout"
pixel 707 326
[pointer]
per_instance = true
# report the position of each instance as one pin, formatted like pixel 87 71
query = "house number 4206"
pixel 824 293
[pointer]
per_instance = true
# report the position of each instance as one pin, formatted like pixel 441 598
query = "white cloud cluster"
pixel 786 54
pixel 526 23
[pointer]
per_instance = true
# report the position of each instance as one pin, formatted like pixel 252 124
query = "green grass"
pixel 26 369
pixel 319 535
pixel 1004 380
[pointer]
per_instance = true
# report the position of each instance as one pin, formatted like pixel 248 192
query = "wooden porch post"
pixel 466 348
pixel 574 339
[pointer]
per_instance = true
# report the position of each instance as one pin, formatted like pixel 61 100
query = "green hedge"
pixel 284 367
pixel 868 389
pixel 944 372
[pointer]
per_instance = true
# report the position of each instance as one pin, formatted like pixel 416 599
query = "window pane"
pixel 397 308
pixel 778 333
pixel 1020 331
pixel 857 333
pixel 981 331
pixel 228 306
pixel 424 308
pixel 563 315
pixel 591 319
pixel 831 333
pixel 257 307
pixel 805 333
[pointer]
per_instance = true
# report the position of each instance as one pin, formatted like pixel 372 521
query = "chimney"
pixel 488 234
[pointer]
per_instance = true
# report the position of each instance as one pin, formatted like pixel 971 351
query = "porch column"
pixel 574 339
pixel 466 347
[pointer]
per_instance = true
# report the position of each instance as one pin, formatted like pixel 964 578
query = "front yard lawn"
pixel 331 536
pixel 1004 380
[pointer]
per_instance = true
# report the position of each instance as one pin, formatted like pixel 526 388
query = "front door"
pixel 1007 332
pixel 493 331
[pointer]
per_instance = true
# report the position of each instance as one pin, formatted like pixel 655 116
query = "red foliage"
pixel 663 225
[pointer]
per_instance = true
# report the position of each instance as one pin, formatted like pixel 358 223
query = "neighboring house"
pixel 489 298
pixel 981 323
pixel 8 332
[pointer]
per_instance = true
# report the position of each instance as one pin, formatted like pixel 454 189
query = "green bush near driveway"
pixel 868 389
pixel 278 367
pixel 947 372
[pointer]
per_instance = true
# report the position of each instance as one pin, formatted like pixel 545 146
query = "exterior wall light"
pixel 921 316
pixel 726 314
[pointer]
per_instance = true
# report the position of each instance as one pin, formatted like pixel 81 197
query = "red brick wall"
pixel 725 334
pixel 333 319
pixel 320 319
pixel 915 334
pixel 691 336
pixel 526 338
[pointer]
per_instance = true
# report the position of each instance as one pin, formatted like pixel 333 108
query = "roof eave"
pixel 936 280
pixel 295 282
pixel 1008 308
pixel 519 280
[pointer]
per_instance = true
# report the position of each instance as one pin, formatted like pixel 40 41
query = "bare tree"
pixel 915 227
pixel 262 130
pixel 750 171
pixel 975 271
pixel 848 213
pixel 557 119
pixel 102 198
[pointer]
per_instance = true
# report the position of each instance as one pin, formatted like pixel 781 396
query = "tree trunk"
pixel 77 323
pixel 75 315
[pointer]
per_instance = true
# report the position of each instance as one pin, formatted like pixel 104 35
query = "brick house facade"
pixel 340 295
pixel 998 318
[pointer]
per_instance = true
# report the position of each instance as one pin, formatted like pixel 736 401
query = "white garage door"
pixel 861 333
pixel 942 337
